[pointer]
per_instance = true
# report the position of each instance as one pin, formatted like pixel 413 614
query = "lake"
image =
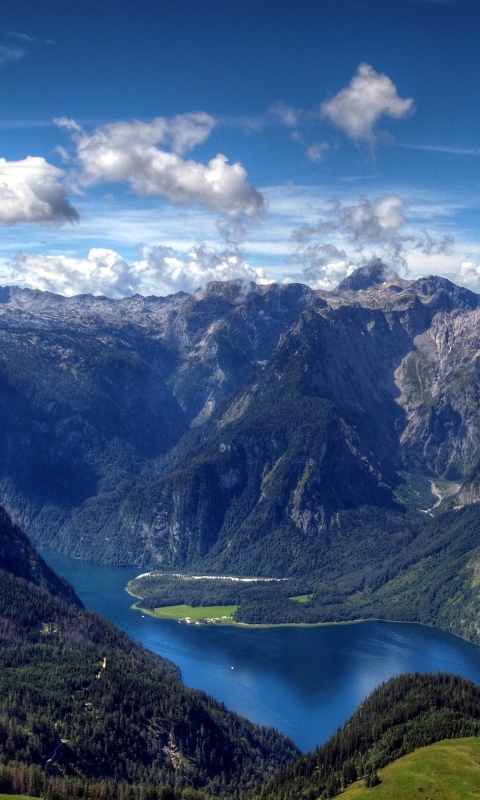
pixel 305 681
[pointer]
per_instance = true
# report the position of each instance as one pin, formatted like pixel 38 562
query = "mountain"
pixel 80 700
pixel 271 431
pixel 18 557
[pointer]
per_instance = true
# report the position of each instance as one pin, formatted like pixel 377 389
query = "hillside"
pixel 402 715
pixel 79 700
pixel 448 769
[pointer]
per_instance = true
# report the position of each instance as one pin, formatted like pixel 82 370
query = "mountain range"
pixel 273 431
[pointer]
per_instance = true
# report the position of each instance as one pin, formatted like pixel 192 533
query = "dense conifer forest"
pixel 79 699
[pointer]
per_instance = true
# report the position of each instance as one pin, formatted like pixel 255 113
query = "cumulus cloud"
pixel 468 275
pixel 30 191
pixel 370 222
pixel 128 151
pixel 323 266
pixel 202 264
pixel 103 272
pixel 357 108
pixel 160 271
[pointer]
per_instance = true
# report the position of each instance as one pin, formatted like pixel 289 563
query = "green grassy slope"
pixel 402 715
pixel 448 770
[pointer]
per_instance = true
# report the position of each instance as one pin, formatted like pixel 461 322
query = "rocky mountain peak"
pixel 371 275
pixel 445 293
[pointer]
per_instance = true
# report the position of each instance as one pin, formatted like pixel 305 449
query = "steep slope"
pixel 95 391
pixel 210 429
pixel 299 443
pixel 18 557
pixel 78 698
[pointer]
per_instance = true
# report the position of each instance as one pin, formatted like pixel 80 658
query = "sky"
pixel 152 146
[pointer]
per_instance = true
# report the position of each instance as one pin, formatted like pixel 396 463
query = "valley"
pixel 262 456
pixel 327 440
pixel 304 680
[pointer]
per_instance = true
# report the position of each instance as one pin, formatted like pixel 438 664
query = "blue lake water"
pixel 306 681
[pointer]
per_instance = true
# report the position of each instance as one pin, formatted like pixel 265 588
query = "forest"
pixel 431 582
pixel 79 699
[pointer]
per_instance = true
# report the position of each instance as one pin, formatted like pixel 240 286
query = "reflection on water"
pixel 304 681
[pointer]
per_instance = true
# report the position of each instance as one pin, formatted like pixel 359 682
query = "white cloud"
pixel 371 221
pixel 160 271
pixel 323 266
pixel 453 149
pixel 11 54
pixel 30 191
pixel 317 150
pixel 173 271
pixel 124 151
pixel 104 272
pixel 468 275
pixel 357 109
pixel 348 235
pixel 286 114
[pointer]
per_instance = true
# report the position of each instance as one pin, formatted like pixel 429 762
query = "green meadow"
pixel 447 770
pixel 16 797
pixel 301 598
pixel 195 612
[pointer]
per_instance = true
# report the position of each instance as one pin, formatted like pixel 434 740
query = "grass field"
pixel 301 598
pixel 448 770
pixel 16 797
pixel 196 613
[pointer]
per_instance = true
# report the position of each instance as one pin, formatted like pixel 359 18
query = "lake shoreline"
pixel 303 679
pixel 266 625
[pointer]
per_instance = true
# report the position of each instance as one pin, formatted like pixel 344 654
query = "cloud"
pixel 30 191
pixel 128 151
pixel 375 222
pixel 348 235
pixel 286 114
pixel 11 54
pixel 24 37
pixel 460 151
pixel 428 245
pixel 317 150
pixel 468 275
pixel 322 266
pixel 357 109
pixel 103 272
pixel 202 264
pixel 160 271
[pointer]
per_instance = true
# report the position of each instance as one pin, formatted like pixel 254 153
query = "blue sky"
pixel 154 145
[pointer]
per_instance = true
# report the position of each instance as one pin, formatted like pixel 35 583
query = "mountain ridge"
pixel 208 430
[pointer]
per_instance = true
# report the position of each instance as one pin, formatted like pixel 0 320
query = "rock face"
pixel 18 557
pixel 195 429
